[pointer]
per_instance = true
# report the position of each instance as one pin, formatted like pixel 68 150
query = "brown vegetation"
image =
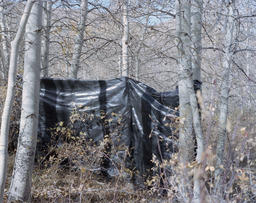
pixel 70 171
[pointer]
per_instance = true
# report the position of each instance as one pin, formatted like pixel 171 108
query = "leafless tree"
pixel 22 174
pixel 5 124
pixel 46 43
pixel 79 40
pixel 230 44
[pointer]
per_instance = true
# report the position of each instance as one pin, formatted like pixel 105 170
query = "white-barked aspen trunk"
pixel 20 187
pixel 229 49
pixel 196 36
pixel 189 111
pixel 125 40
pixel 79 40
pixel 138 50
pixel 46 41
pixel 4 42
pixel 186 138
pixel 5 122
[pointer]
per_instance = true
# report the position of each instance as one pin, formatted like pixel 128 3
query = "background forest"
pixel 162 43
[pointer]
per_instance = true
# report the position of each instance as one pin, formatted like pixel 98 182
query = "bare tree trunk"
pixel 125 40
pixel 137 52
pixel 79 41
pixel 229 48
pixel 189 112
pixel 137 66
pixel 186 142
pixel 120 65
pixel 2 68
pixel 196 30
pixel 47 25
pixel 67 68
pixel 248 41
pixel 4 44
pixel 22 175
pixel 5 124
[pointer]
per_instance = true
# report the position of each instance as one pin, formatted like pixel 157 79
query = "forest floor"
pixel 69 173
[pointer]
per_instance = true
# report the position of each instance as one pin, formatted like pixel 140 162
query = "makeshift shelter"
pixel 144 117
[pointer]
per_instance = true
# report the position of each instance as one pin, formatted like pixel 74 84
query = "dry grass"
pixel 70 173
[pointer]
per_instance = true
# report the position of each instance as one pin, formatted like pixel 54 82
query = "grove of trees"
pixel 163 43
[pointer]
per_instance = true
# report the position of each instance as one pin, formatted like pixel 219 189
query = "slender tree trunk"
pixel 186 131
pixel 248 41
pixel 137 52
pixel 186 141
pixel 79 41
pixel 2 68
pixel 20 187
pixel 46 42
pixel 196 30
pixel 140 44
pixel 137 66
pixel 125 40
pixel 5 124
pixel 189 112
pixel 4 40
pixel 67 68
pixel 120 65
pixel 229 48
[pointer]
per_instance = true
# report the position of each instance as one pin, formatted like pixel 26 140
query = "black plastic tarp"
pixel 143 116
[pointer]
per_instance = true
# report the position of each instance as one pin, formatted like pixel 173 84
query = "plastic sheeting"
pixel 134 114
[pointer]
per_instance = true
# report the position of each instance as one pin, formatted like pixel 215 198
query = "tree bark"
pixel 229 49
pixel 5 124
pixel 196 36
pixel 2 68
pixel 125 40
pixel 20 187
pixel 138 50
pixel 46 42
pixel 5 51
pixel 79 41
pixel 189 112
pixel 186 142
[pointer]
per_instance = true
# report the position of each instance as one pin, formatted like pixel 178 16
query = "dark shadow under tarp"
pixel 143 116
